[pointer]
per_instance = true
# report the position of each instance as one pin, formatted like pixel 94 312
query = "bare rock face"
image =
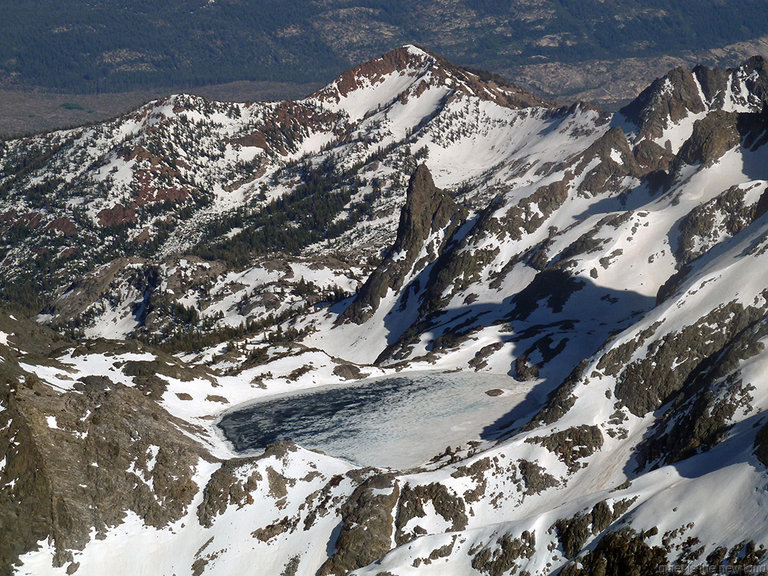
pixel 761 445
pixel 411 505
pixel 620 552
pixel 574 532
pixel 651 157
pixel 572 445
pixel 427 211
pixel 503 555
pixel 701 414
pixel 713 82
pixel 646 384
pixel 722 217
pixel 366 533
pixel 754 75
pixel 712 137
pixel 226 489
pixel 668 99
pixel 609 173
pixel 80 459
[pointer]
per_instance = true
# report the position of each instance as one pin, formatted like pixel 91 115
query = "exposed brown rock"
pixel 535 478
pixel 501 556
pixel 116 215
pixel 647 383
pixel 667 100
pixel 712 137
pixel 102 443
pixel 608 174
pixel 348 372
pixel 572 444
pixel 445 503
pixel 701 414
pixel 617 554
pixel 427 210
pixel 713 82
pixel 761 445
pixel 366 533
pixel 719 219
pixel 63 225
pixel 755 76
pixel 651 157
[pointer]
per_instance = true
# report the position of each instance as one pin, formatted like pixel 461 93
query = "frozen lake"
pixel 399 421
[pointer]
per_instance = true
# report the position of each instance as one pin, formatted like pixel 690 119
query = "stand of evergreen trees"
pixel 83 46
pixel 304 216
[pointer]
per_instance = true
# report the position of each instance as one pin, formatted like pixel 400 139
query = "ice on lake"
pixel 398 421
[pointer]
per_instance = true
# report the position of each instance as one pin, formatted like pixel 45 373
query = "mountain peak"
pixel 601 302
pixel 404 61
pixel 409 71
pixel 668 99
pixel 681 95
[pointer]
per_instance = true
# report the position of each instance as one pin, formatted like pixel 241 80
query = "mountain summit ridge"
pixel 426 70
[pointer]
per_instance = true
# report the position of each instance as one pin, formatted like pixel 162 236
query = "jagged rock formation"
pixel 682 93
pixel 427 222
pixel 671 99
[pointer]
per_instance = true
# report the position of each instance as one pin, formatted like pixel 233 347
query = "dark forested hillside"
pixel 88 46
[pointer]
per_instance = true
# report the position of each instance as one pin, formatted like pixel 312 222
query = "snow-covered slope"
pixel 606 274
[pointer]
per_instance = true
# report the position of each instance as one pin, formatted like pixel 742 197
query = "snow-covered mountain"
pixel 603 276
